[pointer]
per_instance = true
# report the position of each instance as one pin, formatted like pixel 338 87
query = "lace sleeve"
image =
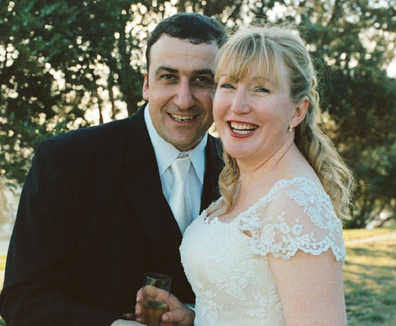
pixel 293 217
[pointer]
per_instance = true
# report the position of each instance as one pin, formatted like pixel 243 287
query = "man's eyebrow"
pixel 175 71
pixel 168 69
pixel 204 72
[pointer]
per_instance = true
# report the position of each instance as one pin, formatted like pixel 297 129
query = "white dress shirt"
pixel 166 153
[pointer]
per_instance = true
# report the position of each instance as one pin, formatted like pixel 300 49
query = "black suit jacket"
pixel 91 221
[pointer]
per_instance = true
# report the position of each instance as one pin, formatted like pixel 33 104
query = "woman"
pixel 270 250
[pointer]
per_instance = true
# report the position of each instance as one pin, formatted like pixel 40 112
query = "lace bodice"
pixel 227 264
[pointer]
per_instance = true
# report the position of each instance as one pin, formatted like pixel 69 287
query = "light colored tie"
pixel 177 200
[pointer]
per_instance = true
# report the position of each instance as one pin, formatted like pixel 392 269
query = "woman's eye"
pixel 262 90
pixel 226 86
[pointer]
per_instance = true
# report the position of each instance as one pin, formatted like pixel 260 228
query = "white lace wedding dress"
pixel 229 270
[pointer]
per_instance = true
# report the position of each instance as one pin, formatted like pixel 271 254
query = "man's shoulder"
pixel 216 140
pixel 215 144
pixel 215 154
pixel 105 138
pixel 104 133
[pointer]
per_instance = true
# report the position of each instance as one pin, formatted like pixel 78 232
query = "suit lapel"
pixel 214 165
pixel 144 191
pixel 142 186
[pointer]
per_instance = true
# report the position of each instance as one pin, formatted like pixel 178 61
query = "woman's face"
pixel 253 115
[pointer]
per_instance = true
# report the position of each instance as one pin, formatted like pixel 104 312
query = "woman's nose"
pixel 240 103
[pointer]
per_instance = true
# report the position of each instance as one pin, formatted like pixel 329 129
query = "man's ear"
pixel 145 89
pixel 300 112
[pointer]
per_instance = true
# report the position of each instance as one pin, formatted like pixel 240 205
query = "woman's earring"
pixel 291 128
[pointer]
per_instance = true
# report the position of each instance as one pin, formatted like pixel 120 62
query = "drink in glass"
pixel 156 288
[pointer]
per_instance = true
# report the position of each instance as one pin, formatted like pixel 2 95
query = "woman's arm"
pixel 310 288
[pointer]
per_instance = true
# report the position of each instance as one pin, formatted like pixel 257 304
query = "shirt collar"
pixel 166 153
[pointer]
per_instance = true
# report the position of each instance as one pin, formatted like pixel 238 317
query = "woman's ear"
pixel 300 112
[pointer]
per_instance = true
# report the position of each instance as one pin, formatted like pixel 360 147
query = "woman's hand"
pixel 178 315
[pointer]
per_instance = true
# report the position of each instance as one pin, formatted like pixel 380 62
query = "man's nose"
pixel 184 97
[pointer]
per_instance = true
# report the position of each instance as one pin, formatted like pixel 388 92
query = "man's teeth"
pixel 242 128
pixel 182 117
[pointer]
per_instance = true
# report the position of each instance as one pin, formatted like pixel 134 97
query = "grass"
pixel 2 262
pixel 363 233
pixel 369 279
pixel 2 267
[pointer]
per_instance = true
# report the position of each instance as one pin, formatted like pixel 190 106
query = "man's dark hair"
pixel 194 27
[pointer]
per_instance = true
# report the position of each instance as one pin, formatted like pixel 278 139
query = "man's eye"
pixel 168 77
pixel 205 80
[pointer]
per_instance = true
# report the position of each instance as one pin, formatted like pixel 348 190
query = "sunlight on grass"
pixel 363 233
pixel 2 268
pixel 370 283
pixel 2 262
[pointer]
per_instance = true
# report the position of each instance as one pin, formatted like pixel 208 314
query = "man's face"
pixel 179 88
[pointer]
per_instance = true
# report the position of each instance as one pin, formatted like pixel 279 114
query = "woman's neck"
pixel 255 171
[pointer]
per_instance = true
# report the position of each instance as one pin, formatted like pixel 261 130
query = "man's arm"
pixel 41 263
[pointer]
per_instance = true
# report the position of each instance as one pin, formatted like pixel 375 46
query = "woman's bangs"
pixel 248 56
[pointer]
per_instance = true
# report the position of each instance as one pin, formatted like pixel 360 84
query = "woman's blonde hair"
pixel 266 49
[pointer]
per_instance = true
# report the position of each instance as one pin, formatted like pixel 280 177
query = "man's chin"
pixel 185 144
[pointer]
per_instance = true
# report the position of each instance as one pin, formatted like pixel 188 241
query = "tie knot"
pixel 180 167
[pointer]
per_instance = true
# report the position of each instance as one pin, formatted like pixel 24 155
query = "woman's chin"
pixel 239 154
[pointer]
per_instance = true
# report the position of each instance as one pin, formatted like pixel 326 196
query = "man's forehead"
pixel 181 56
pixel 174 45
pixel 165 38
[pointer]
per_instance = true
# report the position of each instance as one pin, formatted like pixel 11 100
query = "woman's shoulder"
pixel 295 214
pixel 296 182
pixel 287 188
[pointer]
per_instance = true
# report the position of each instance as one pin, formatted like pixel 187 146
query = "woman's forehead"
pixel 256 70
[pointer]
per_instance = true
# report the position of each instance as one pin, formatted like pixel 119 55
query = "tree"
pixel 64 65
pixel 357 40
pixel 60 60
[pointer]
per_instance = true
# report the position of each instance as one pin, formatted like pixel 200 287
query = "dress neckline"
pixel 277 185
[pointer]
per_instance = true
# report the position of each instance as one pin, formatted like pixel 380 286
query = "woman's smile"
pixel 242 128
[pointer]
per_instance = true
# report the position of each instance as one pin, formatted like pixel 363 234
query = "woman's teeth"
pixel 242 128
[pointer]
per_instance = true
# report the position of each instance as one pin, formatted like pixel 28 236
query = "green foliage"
pixel 356 41
pixel 64 65
pixel 59 60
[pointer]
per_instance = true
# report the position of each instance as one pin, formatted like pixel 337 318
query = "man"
pixel 94 216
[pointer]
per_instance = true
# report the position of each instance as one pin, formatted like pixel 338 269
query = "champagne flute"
pixel 155 295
